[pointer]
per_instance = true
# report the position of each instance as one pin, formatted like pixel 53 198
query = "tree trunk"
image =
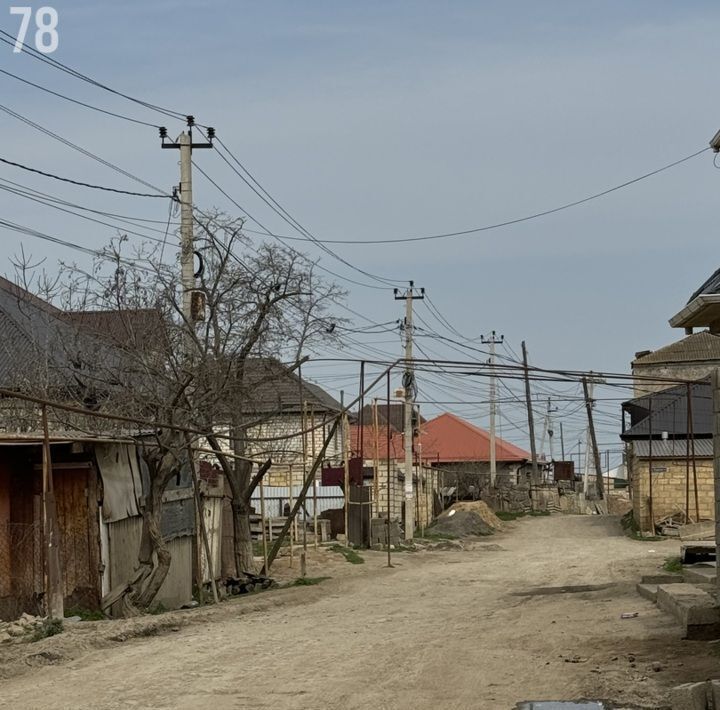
pixel 243 547
pixel 153 557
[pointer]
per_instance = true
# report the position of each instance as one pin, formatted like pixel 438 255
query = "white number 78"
pixel 46 19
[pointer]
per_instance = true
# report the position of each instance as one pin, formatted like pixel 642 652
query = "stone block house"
pixel 669 453
pixel 667 427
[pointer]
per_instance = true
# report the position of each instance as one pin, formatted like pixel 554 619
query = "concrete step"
pixel 665 578
pixel 648 591
pixel 694 609
pixel 697 574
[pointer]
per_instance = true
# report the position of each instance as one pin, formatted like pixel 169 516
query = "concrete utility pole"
pixel 531 420
pixel 192 305
pixel 492 340
pixel 548 430
pixel 409 296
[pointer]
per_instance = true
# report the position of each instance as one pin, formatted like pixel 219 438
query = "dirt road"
pixel 481 629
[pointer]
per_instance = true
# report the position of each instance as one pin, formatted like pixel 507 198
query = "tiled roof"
pixel 32 336
pixel 696 347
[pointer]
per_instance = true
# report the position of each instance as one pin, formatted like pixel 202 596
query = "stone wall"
pixel 669 492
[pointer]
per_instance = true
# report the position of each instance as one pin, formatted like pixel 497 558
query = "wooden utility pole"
pixel 593 440
pixel 54 587
pixel 409 296
pixel 716 455
pixel 531 420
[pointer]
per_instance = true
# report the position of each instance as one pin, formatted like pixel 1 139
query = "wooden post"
pixel 263 522
pixel 314 484
pixel 687 455
pixel 54 589
pixel 376 462
pixel 290 501
pixel 303 422
pixel 650 466
pixel 535 478
pixel 306 486
pixel 346 479
pixel 201 517
pixel 389 487
pixel 694 464
pixel 716 455
pixel 593 441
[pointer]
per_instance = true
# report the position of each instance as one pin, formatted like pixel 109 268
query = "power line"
pixel 516 220
pixel 79 149
pixel 276 207
pixel 76 101
pixel 54 63
pixel 81 184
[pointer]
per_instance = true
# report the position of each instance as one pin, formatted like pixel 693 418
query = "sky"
pixel 380 120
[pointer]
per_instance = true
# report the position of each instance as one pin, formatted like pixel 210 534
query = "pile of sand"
pixel 467 518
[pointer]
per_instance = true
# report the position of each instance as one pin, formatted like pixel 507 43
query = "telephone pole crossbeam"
pixel 410 294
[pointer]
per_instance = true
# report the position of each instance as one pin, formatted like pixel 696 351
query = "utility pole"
pixel 531 421
pixel 716 455
pixel 548 430
pixel 562 443
pixel 492 340
pixel 193 304
pixel 409 296
pixel 589 403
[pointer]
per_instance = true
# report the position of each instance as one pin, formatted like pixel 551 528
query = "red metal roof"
pixel 445 439
pixel 449 438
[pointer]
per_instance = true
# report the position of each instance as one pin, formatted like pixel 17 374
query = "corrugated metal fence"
pixel 276 497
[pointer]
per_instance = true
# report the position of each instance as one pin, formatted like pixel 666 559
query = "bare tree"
pixel 263 304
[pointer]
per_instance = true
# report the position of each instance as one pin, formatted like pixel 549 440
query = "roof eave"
pixel 701 311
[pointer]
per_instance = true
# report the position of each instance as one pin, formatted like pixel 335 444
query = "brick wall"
pixel 669 480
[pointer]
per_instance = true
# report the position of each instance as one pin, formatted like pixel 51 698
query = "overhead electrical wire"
pixel 46 59
pixel 276 207
pixel 80 149
pixel 81 184
pixel 76 101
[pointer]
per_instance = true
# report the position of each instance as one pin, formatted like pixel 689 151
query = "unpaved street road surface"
pixel 531 613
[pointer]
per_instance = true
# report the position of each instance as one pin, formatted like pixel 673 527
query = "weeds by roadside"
pixel 48 627
pixel 673 564
pixel 632 530
pixel 348 553
pixel 308 581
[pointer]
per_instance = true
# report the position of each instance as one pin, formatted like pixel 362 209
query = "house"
pixel 393 413
pixel 694 356
pixel 457 446
pixel 667 427
pixel 669 453
pixel 452 459
pixel 96 484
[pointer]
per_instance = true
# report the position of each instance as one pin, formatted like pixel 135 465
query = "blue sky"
pixel 389 119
